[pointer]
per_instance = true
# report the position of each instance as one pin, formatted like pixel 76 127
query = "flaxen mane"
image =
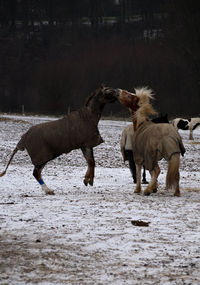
pixel 145 108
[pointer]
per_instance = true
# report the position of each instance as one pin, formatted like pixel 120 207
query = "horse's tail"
pixel 172 178
pixel 122 145
pixel 20 146
pixel 195 126
pixel 11 158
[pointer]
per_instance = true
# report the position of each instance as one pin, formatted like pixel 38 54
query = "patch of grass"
pixel 190 189
pixel 5 119
pixel 194 142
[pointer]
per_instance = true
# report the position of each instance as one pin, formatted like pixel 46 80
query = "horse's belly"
pixel 146 152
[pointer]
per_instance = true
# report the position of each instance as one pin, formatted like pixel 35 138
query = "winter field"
pixel 84 235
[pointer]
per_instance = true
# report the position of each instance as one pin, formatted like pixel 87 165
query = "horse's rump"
pixel 152 142
pixel 126 140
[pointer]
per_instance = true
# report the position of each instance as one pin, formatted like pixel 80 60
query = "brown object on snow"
pixel 140 223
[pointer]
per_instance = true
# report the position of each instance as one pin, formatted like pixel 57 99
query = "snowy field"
pixel 84 235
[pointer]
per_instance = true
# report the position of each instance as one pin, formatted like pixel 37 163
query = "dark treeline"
pixel 53 53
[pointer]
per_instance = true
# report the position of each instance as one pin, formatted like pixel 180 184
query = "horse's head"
pixel 102 95
pixel 138 103
pixel 129 100
pixel 108 94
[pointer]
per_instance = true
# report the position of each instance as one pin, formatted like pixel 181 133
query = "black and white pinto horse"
pixel 187 124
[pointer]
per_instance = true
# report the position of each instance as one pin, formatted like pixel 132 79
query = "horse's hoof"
pixel 155 190
pixel 147 193
pixel 50 192
pixel 91 183
pixel 85 182
pixel 177 194
pixel 145 182
pixel 47 190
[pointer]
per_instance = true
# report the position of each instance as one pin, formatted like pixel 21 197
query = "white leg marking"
pixel 47 190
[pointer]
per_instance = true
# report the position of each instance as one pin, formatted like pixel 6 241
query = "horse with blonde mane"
pixel 127 148
pixel 152 142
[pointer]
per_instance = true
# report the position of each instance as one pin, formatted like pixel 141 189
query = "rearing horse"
pixel 79 129
pixel 152 142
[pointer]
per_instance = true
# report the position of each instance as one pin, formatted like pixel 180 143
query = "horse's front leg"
pixel 144 181
pixel 89 176
pixel 152 187
pixel 138 177
pixel 191 135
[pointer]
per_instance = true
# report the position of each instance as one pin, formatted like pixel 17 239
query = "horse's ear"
pixel 102 85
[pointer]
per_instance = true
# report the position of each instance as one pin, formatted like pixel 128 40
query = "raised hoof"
pixel 155 190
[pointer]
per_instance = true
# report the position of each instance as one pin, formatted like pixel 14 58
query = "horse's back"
pixel 153 142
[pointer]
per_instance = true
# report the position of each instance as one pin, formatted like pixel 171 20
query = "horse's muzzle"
pixel 118 92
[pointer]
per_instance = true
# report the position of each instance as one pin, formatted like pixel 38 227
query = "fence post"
pixel 23 110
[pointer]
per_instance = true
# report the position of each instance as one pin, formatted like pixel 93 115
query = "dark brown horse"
pixel 79 129
pixel 152 142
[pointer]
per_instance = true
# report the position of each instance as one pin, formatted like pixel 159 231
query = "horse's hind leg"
pixel 138 176
pixel 37 174
pixel 191 134
pixel 177 190
pixel 89 176
pixel 152 187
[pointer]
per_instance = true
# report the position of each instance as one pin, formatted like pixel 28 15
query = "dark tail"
pixel 182 148
pixel 195 126
pixel 14 152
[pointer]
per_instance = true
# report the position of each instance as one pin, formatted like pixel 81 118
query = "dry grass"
pixel 194 142
pixel 5 119
pixel 190 189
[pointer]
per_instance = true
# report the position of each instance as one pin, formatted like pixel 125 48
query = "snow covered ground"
pixel 84 235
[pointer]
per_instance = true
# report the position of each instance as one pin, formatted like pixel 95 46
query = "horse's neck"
pixel 96 110
pixel 134 121
pixel 137 122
